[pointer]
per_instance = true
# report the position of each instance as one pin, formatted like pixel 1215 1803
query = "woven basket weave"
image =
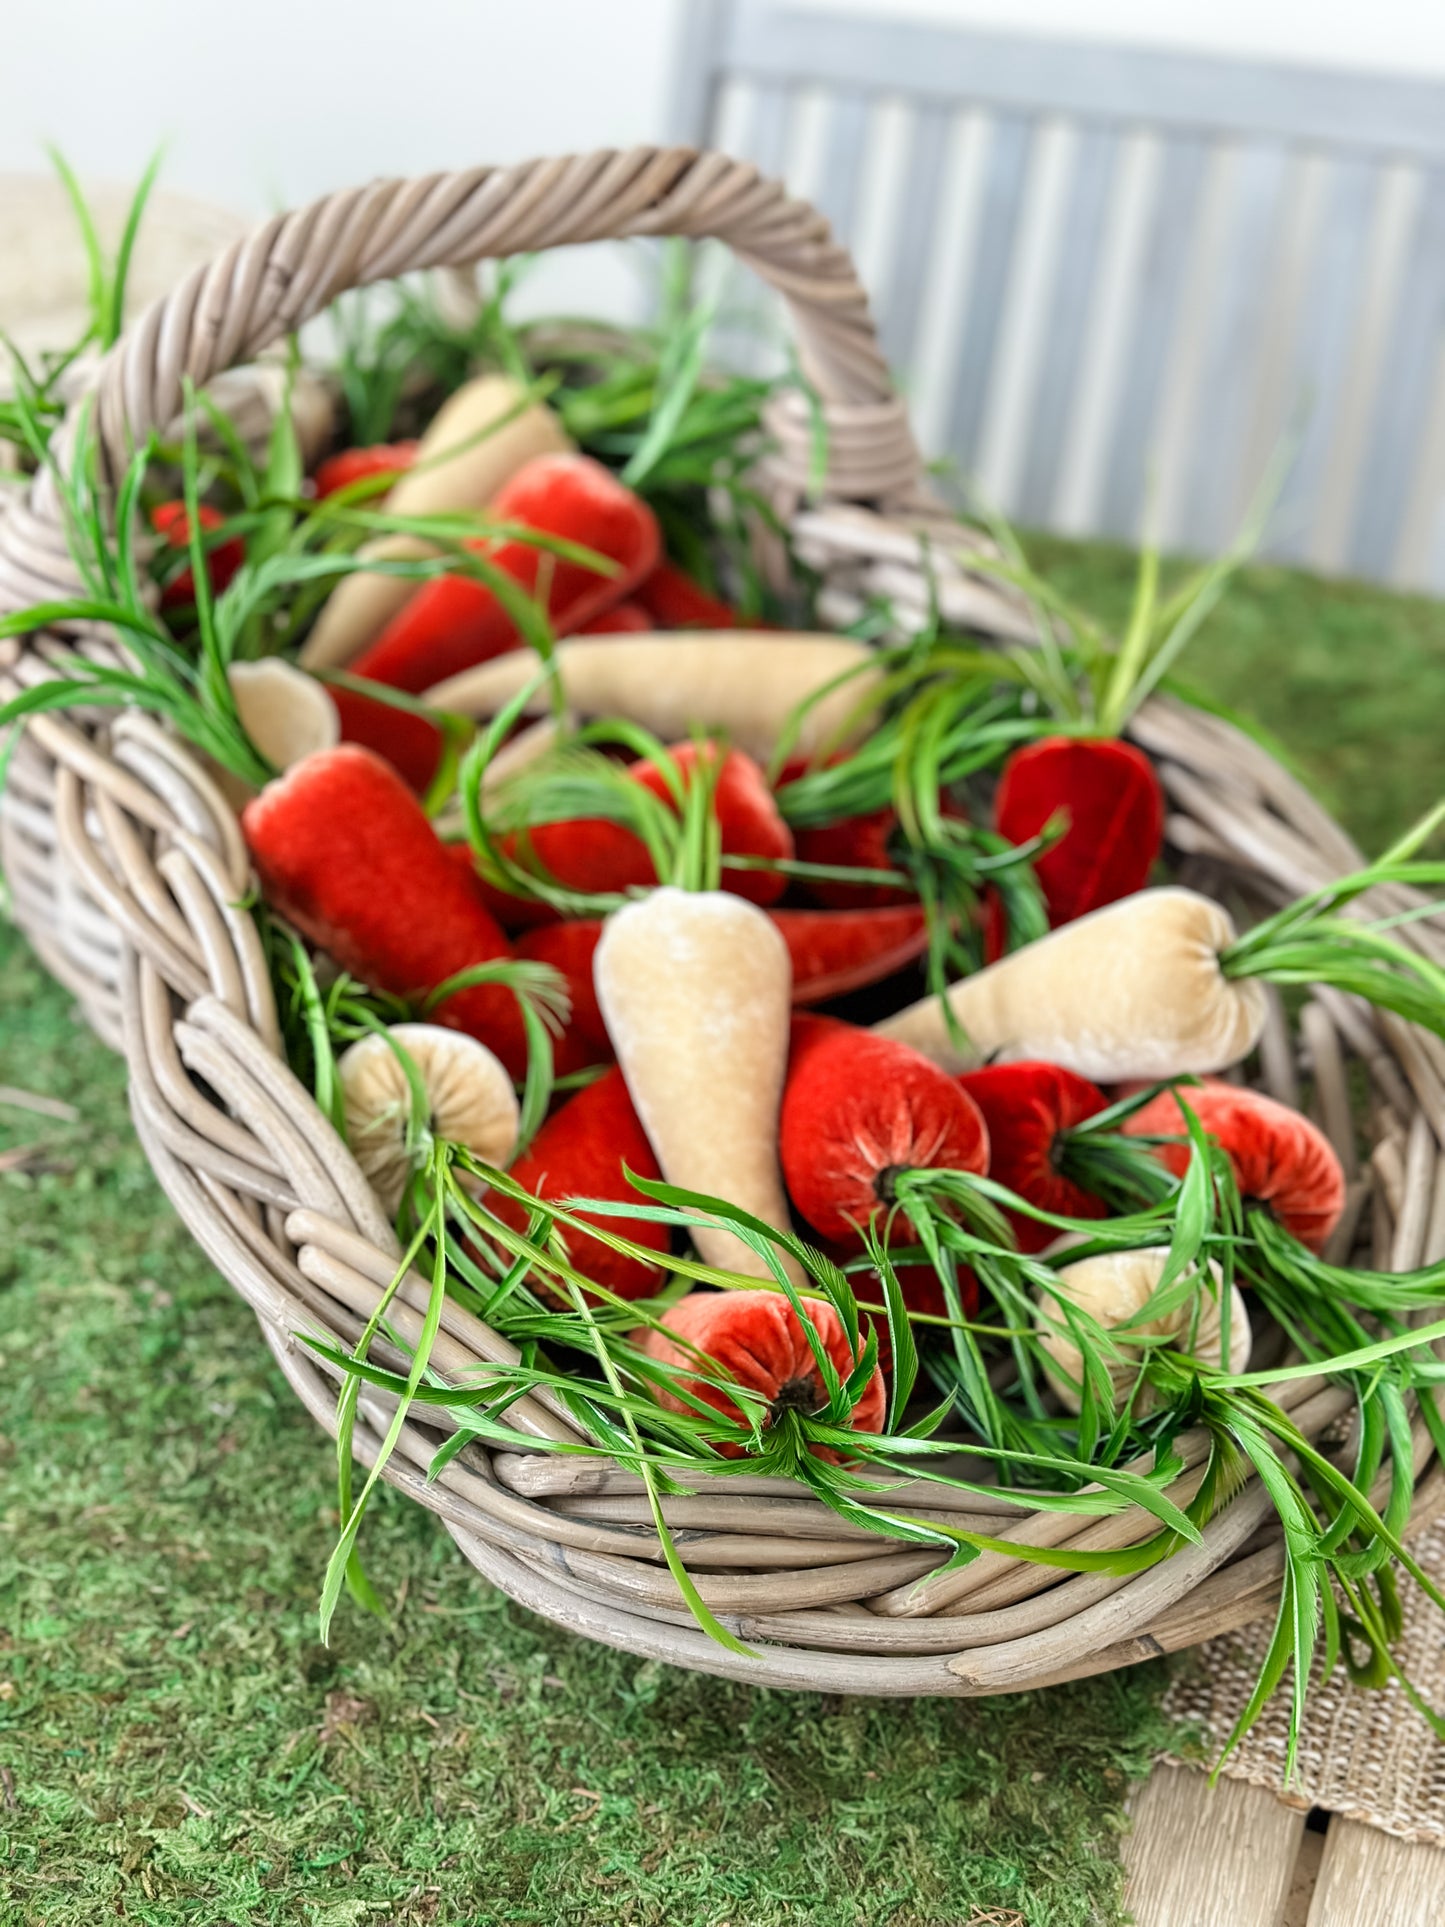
pixel 126 868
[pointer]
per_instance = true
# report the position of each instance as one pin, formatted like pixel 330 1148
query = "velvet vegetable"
pixel 585 1150
pixel 1029 1109
pixel 674 601
pixel 854 843
pixel 744 687
pixel 596 856
pixel 1160 984
pixel 858 1111
pixel 886 824
pixel 287 714
pixel 756 1340
pixel 478 439
pixel 569 948
pixel 1134 990
pixel 742 803
pixel 1113 1288
pixel 1280 1160
pixel 170 520
pixel 832 952
pixel 694 987
pixel 379 462
pixel 1101 792
pixel 1106 794
pixel 468 1096
pixel 345 853
pixel 455 622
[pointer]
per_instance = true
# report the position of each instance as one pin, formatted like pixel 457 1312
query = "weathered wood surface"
pixel 1209 1857
pixel 1237 1856
pixel 1371 1879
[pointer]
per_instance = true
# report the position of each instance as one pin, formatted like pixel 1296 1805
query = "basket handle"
pixel 291 269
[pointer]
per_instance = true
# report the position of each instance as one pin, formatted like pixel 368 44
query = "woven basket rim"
pixel 127 870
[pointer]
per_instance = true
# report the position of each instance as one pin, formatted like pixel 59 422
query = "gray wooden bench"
pixel 1162 267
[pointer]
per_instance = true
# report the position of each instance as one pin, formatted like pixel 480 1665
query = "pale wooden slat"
pixel 765 141
pixel 1208 1857
pixel 698 68
pixel 845 139
pixel 1027 74
pixel 1402 404
pixel 1007 166
pixel 915 237
pixel 1371 1879
pixel 1329 311
pixel 1231 356
pixel 1075 272
pixel 1172 225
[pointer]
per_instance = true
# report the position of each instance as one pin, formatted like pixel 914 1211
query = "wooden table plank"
pixel 1202 1857
pixel 1371 1879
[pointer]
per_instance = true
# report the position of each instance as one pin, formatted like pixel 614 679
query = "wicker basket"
pixel 126 868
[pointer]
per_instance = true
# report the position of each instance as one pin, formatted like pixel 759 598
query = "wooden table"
pixel 1237 1855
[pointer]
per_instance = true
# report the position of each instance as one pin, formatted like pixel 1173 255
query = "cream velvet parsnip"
pixel 695 988
pixel 470 1100
pixel 286 713
pixel 1113 1286
pixel 1133 990
pixel 461 462
pixel 744 687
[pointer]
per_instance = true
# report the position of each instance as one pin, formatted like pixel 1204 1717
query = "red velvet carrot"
pixel 345 853
pixel 581 1152
pixel 859 842
pixel 1108 793
pixel 598 857
pixel 169 519
pixel 1027 1108
pixel 854 843
pixel 585 853
pixel 855 1116
pixel 1280 1159
pixel 624 619
pixel 917 1280
pixel 832 952
pixel 456 622
pixel 757 1339
pixel 747 816
pixel 835 951
pixel 354 465
pixel 675 601
pixel 569 948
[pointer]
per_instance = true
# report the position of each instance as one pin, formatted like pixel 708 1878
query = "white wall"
pixel 273 101
pixel 267 104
